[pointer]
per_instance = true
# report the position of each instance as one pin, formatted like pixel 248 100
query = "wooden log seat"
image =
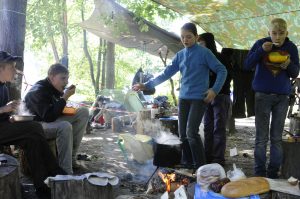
pixel 291 160
pixel 10 187
pixel 78 189
pixel 50 135
pixel 281 189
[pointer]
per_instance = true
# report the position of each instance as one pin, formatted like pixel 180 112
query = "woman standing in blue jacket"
pixel 194 63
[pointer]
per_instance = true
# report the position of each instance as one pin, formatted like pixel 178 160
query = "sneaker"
pixel 79 168
pixel 75 165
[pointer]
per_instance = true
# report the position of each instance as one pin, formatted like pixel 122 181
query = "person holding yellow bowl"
pixel 275 60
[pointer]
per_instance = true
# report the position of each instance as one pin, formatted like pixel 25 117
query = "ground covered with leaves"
pixel 100 152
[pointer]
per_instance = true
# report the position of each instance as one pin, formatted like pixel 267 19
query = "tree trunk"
pixel 164 60
pixel 64 33
pixel 85 49
pixel 103 64
pixel 12 35
pixel 97 81
pixel 110 66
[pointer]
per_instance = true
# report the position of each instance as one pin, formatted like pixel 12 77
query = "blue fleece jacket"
pixel 194 64
pixel 270 79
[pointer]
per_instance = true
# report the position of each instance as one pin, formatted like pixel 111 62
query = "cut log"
pixel 116 124
pixel 23 161
pixel 280 188
pixel 279 195
pixel 143 121
pixel 10 187
pixel 78 189
pixel 291 160
pixel 145 114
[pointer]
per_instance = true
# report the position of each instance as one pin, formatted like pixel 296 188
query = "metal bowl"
pixel 22 118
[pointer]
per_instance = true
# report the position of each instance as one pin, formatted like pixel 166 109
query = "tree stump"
pixel 279 195
pixel 79 189
pixel 23 161
pixel 145 114
pixel 143 120
pixel 10 187
pixel 291 160
pixel 116 124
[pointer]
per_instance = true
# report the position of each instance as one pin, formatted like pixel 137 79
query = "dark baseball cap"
pixel 5 57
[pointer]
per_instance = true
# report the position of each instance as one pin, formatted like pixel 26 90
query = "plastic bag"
pixel 235 174
pixel 203 194
pixel 209 173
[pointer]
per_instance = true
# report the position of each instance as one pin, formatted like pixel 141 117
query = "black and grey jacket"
pixel 44 101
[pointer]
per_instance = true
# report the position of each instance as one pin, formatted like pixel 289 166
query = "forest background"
pixel 53 34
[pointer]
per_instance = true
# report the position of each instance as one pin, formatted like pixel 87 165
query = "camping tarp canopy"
pixel 238 23
pixel 114 23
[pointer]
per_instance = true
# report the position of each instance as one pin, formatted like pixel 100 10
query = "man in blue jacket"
pixel 272 88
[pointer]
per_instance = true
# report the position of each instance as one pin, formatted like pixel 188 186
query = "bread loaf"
pixel 245 187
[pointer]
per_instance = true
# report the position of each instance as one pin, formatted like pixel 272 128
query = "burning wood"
pixel 173 180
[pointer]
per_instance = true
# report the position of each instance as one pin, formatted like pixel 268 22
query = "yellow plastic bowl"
pixel 276 57
pixel 69 111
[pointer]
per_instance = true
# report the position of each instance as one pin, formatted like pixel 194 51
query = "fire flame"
pixel 167 179
pixel 171 182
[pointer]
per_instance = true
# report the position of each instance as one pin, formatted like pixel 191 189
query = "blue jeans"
pixel 265 106
pixel 215 119
pixel 190 116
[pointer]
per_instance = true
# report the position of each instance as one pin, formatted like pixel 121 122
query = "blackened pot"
pixel 166 155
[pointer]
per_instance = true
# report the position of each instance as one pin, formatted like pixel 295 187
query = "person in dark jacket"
pixel 47 99
pixel 272 86
pixel 28 135
pixel 216 114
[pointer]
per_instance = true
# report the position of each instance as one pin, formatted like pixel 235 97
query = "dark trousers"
pixel 215 119
pixel 30 137
pixel 190 116
pixel 267 105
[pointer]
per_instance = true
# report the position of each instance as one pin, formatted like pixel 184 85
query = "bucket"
pixel 138 146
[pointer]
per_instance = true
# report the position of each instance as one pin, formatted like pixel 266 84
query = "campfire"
pixel 173 180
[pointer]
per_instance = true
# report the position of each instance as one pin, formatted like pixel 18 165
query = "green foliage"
pixel 149 10
pixel 44 20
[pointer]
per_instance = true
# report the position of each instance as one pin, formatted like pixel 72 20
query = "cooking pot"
pixel 295 125
pixel 22 118
pixel 166 155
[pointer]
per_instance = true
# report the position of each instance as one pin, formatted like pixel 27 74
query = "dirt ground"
pixel 106 156
pixel 103 154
